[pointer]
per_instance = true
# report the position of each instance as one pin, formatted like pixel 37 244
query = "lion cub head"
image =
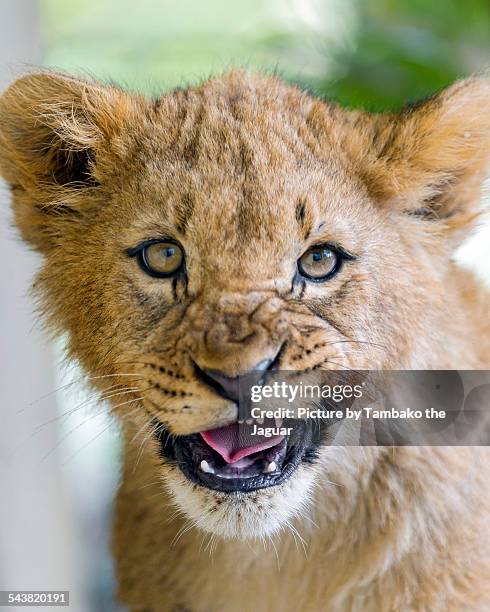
pixel 237 226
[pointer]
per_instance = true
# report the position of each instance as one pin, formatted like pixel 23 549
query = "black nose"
pixel 231 387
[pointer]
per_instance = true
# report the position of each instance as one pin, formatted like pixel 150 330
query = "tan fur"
pixel 247 173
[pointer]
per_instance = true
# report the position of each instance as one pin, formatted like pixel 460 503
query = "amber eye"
pixel 319 263
pixel 159 258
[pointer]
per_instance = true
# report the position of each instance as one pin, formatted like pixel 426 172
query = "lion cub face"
pixel 233 227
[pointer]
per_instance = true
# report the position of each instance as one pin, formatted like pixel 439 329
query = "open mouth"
pixel 234 458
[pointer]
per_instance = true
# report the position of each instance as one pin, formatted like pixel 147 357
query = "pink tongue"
pixel 233 442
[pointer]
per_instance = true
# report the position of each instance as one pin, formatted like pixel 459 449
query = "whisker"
pixel 153 483
pixel 270 539
pixel 72 383
pixel 93 439
pixel 368 342
pixel 96 397
pixel 186 527
pixel 63 438
pixel 87 444
pixel 145 424
pixel 147 437
pixel 296 534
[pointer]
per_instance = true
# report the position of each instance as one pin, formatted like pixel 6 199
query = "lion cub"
pixel 243 225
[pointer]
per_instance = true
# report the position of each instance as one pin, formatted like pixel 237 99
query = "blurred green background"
pixel 377 54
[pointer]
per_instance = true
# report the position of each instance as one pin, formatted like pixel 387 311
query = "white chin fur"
pixel 242 516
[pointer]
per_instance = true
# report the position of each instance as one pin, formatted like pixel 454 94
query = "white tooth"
pixel 241 421
pixel 249 421
pixel 278 421
pixel 272 467
pixel 260 420
pixel 205 467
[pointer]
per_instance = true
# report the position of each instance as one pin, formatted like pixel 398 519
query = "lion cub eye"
pixel 319 263
pixel 160 258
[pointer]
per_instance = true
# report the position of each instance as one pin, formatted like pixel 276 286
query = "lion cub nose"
pixel 227 386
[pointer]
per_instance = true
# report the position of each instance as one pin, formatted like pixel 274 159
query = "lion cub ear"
pixel 432 158
pixel 58 142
